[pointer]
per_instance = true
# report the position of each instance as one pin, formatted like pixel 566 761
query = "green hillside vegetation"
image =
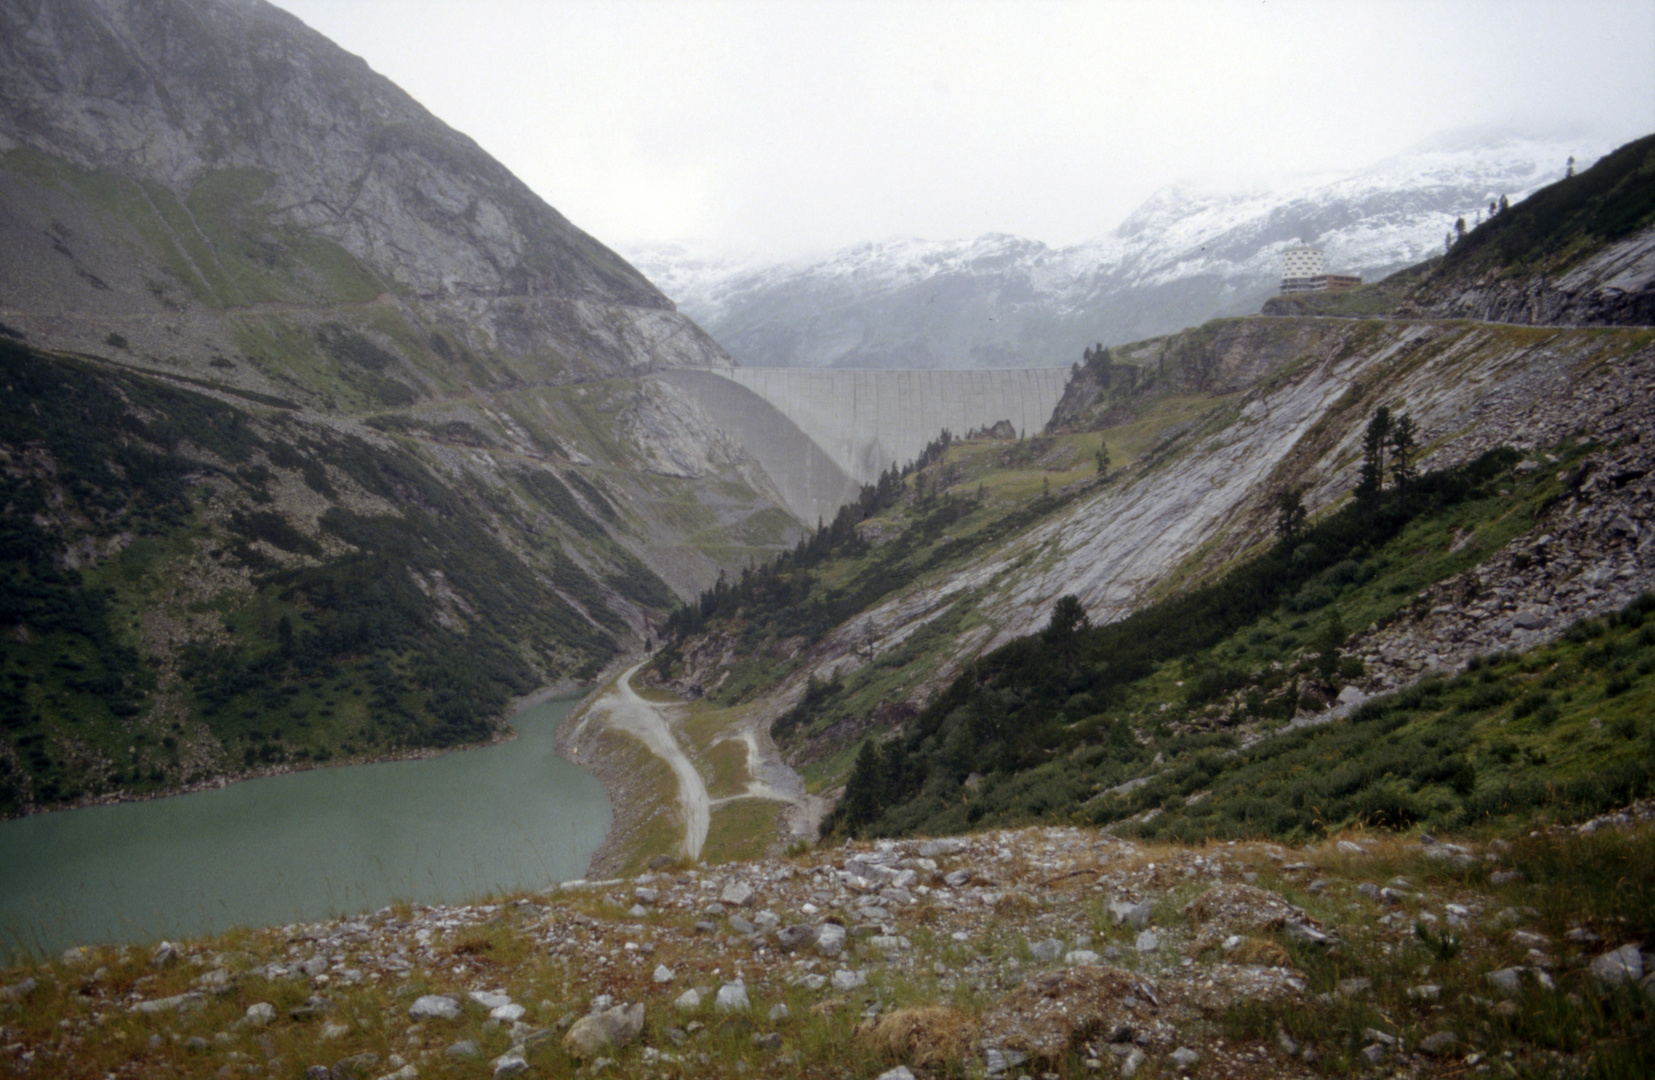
pixel 141 520
pixel 1563 222
pixel 1044 727
pixel 1551 230
pixel 960 499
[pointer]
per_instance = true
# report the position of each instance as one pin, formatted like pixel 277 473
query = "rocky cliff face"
pixel 319 421
pixel 163 160
pixel 1615 287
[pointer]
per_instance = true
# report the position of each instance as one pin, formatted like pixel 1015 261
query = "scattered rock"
pixel 1045 952
pixel 1049 1014
pixel 17 991
pixel 738 894
pixel 1148 941
pixel 1624 965
pixel 434 1007
pixel 1508 981
pixel 732 997
pixel 830 939
pixel 603 1031
pixel 796 937
pixel 1442 1044
pixel 260 1013
pixel 844 981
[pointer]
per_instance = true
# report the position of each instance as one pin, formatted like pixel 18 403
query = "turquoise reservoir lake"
pixel 303 846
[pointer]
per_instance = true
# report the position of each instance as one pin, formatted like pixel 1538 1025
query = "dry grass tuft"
pixel 930 1037
pixel 1016 903
pixel 1256 951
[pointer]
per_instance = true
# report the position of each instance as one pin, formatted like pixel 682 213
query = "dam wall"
pixel 866 421
pixel 811 485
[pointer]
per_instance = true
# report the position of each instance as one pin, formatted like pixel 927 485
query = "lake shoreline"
pixel 628 811
pixel 503 733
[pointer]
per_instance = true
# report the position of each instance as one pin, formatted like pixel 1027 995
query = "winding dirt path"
pixel 651 723
pixel 623 710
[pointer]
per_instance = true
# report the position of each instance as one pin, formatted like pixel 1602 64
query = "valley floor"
pixel 667 808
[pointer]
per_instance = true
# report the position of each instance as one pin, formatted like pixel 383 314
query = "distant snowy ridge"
pixel 1181 258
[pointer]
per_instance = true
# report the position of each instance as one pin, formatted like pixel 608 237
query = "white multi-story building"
pixel 1303 269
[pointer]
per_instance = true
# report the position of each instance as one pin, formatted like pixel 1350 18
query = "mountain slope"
pixel 1180 259
pixel 319 437
pixel 1013 633
pixel 175 159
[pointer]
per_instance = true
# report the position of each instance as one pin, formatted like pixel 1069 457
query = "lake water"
pixel 303 846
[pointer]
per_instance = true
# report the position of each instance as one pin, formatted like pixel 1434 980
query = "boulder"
pixel 1624 965
pixel 1441 1044
pixel 1045 952
pixel 611 1029
pixel 845 981
pixel 795 937
pixel 434 1007
pixel 830 939
pixel 738 894
pixel 1135 915
pixel 732 997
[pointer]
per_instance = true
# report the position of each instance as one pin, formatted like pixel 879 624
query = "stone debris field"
pixel 1039 953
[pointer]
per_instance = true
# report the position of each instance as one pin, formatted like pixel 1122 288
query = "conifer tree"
pixel 1374 441
pixel 864 791
pixel 1402 448
pixel 1290 516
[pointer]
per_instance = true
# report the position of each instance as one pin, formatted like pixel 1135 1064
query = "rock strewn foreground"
pixel 1037 952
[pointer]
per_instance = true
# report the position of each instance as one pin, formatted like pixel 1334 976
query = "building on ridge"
pixel 1304 269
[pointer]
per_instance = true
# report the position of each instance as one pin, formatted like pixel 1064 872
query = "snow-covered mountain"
pixel 1181 258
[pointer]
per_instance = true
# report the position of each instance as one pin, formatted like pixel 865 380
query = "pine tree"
pixel 1569 170
pixel 1372 477
pixel 1290 516
pixel 1329 641
pixel 1402 448
pixel 863 798
pixel 1103 459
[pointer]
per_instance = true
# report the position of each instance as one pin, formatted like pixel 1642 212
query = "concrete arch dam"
pixel 839 429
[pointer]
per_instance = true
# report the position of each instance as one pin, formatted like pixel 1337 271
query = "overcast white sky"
pixel 784 127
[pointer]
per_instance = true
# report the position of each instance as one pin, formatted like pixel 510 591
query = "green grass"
pixel 740 830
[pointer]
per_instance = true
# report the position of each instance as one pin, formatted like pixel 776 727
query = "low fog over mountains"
pixel 1182 257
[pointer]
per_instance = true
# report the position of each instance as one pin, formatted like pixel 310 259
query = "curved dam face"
pixel 866 421
pixel 809 482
